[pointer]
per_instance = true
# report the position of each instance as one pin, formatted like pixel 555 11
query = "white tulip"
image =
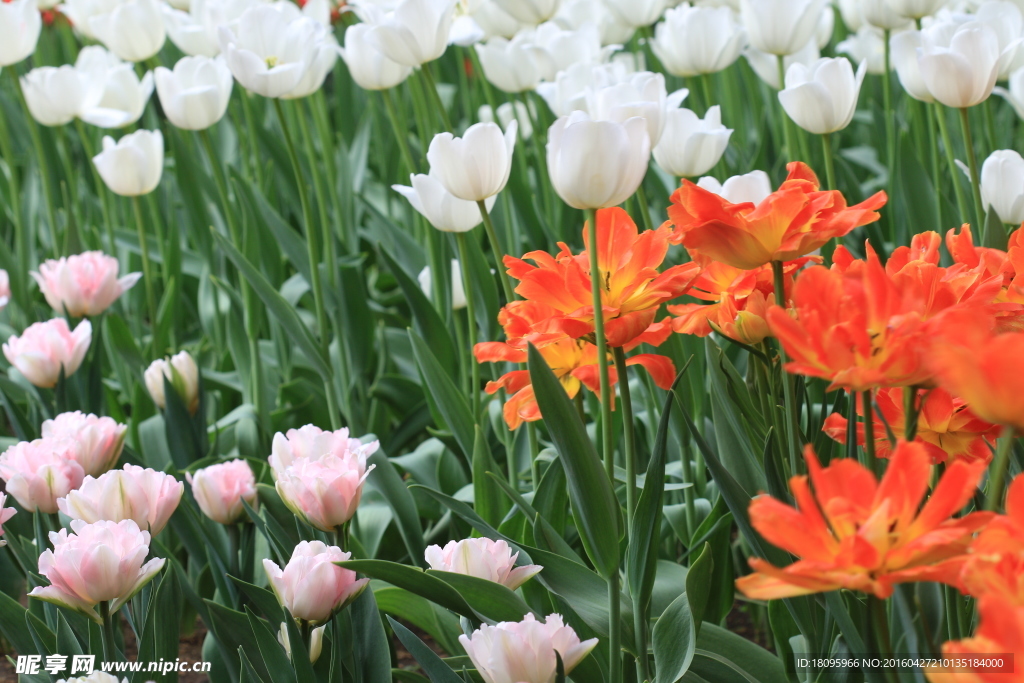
pixel 56 95
pixel 636 13
pixel 780 27
pixel 20 24
pixel 879 14
pixel 465 32
pixel 442 210
pixel 458 291
pixel 568 92
pixel 369 67
pixel 45 5
pixel 822 98
pixel 565 47
pixel 133 165
pixel 196 32
pixel 522 114
pixel 529 12
pixel 698 40
pixel 576 13
pixel 916 9
pixel 133 30
pixel 753 187
pixel 477 165
pixel 512 65
pixel 597 164
pixel 903 55
pixel 80 12
pixel 195 95
pixel 867 45
pixel 959 64
pixel 325 54
pixel 319 11
pixel 1002 185
pixel 1015 95
pixel 416 32
pixel 691 146
pixel 271 49
pixel 826 27
pixel 182 373
pixel 494 21
pixel 767 65
pixel 641 94
pixel 1006 19
pixel 124 95
pixel 851 13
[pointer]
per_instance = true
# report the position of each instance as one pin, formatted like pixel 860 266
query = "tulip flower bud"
pixel 220 489
pixel 143 495
pixel 101 562
pixel 513 66
pixel 195 95
pixel 482 558
pixel 698 40
pixel 530 12
pixel 20 24
pixel 133 165
pixel 369 67
pixel 416 32
pixel 822 98
pixel 753 187
pixel 690 146
pixel 43 349
pixel 99 440
pixel 442 210
pixel 133 29
pixel 525 650
pixel 316 641
pixel 56 95
pixel 959 64
pixel 596 164
pixel 1002 185
pixel 458 291
pixel 5 514
pixel 780 27
pixel 39 472
pixel 476 166
pixel 83 285
pixel 311 586
pixel 183 374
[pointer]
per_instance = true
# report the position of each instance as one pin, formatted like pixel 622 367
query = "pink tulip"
pixel 99 439
pixel 142 495
pixel 311 587
pixel 220 489
pixel 5 289
pixel 41 471
pixel 524 651
pixel 100 562
pixel 5 514
pixel 183 374
pixel 320 474
pixel 482 558
pixel 43 348
pixel 96 677
pixel 83 285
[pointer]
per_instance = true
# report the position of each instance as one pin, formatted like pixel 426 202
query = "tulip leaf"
pixel 449 399
pixel 594 505
pixel 725 657
pixel 262 598
pixel 483 287
pixel 248 673
pixel 232 628
pixel 387 481
pixel 674 640
pixel 487 498
pixel 439 623
pixel 698 584
pixel 731 434
pixel 12 625
pixel 270 650
pixel 488 598
pixel 300 655
pixel 464 511
pixel 287 238
pixel 434 666
pixel 413 580
pixel 372 653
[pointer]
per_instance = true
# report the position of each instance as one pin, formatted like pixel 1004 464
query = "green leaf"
pixel 439 623
pixel 264 600
pixel 373 656
pixel 489 599
pixel 725 657
pixel 413 580
pixel 487 498
pixel 731 434
pixel 698 584
pixel 434 666
pixel 12 625
pixel 233 630
pixel 674 641
pixel 594 505
pixel 449 399
pixel 300 655
pixel 270 650
pixel 386 480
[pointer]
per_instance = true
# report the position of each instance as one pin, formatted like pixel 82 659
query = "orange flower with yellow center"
pixel 1000 633
pixel 791 222
pixel 854 532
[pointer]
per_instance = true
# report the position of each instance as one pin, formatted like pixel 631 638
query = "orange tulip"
pixel 946 427
pixel 854 532
pixel 633 288
pixel 1000 632
pixel 791 222
pixel 996 564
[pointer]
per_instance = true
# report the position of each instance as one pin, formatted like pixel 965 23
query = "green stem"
pixel 329 257
pixel 306 629
pixel 44 168
pixel 250 126
pixel 614 627
pixel 830 164
pixel 21 240
pixel 972 163
pixel 882 636
pixel 531 437
pixel 398 130
pixel 869 431
pixel 645 208
pixel 101 188
pixel 499 253
pixel 787 125
pixel 314 269
pixel 705 86
pixel 627 432
pixel 474 389
pixel 147 272
pixel 596 285
pixel 792 424
pixel 910 409
pixel 233 545
pixel 890 113
pixel 933 143
pixel 109 649
pixel 998 471
pixel 947 142
pixel 431 85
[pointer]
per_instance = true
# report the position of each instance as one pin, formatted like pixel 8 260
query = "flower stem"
pixel 881 623
pixel 947 142
pixel 645 208
pixel 614 627
pixel 972 163
pixel 830 164
pixel 792 424
pixel 596 285
pixel 314 268
pixel 787 125
pixel 499 253
pixel 21 241
pixel 705 86
pixel 431 86
pixel 627 432
pixel 233 545
pixel 44 168
pixel 998 470
pixel 910 410
pixel 869 431
pixel 399 131
pixel 474 389
pixel 890 113
pixel 109 649
pixel 933 142
pixel 147 272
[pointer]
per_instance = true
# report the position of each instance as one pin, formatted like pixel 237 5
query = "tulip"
pixel 476 166
pixel 101 562
pixel 20 24
pixel 495 21
pixel 596 164
pixel 416 32
pixel 458 291
pixel 316 641
pixel 123 96
pixel 442 210
pixel 5 514
pixel 636 13
pixel 133 165
pixel 38 473
pixel 311 586
pixel 183 374
pixel 867 45
pixel 524 651
pixel 196 32
pixel 512 66
pixel 5 289
pixel 506 112
pixel 1005 18
pixel 879 13
pixel 482 558
pixel 325 54
pixel 780 27
pixel 577 13
pixel 1015 94
pixel 94 677
pixel 766 66
pixel 822 98
pixel 83 285
pixel 56 95
pixel 530 12
pixel 959 65
pixel 132 29
pixel 45 349
pixel 195 95
pixel 904 47
pixel 915 9
pixel 852 15
pixel 641 94
pixel 698 40
pixel 568 92
pixel 220 489
pixel 564 47
pixel 145 496
pixel 753 187
pixel 690 146
pixel 99 440
pixel 368 66
pixel 1002 185
pixel 826 27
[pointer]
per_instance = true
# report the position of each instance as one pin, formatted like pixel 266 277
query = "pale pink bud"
pixel 145 496
pixel 41 471
pixel 5 514
pixel 316 641
pixel 43 348
pixel 482 558
pixel 524 651
pixel 311 587
pixel 182 372
pixel 220 489
pixel 84 284
pixel 320 474
pixel 5 289
pixel 100 562
pixel 96 677
pixel 99 439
